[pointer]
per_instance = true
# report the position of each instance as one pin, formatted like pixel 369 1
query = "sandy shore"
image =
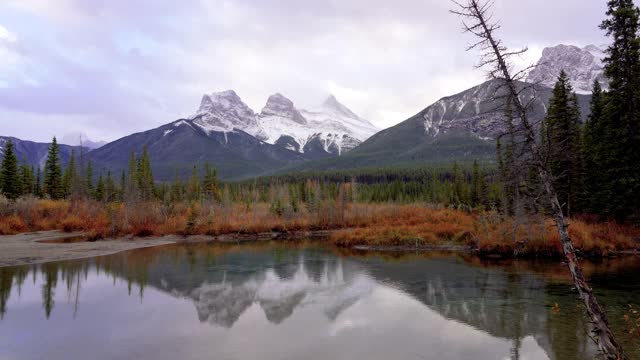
pixel 46 246
pixel 29 248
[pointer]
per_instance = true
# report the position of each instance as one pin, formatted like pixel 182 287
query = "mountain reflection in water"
pixel 276 301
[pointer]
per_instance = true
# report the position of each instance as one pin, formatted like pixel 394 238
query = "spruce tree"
pixel 620 122
pixel 193 186
pixel 100 189
pixel 69 175
pixel 11 185
pixel 89 179
pixel 593 153
pixel 27 178
pixel 110 190
pixel 176 188
pixel 123 186
pixel 131 193
pixel 561 141
pixel 210 182
pixel 38 185
pixel 53 172
pixel 144 175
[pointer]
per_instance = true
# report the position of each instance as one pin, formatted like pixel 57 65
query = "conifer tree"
pixel 70 174
pixel 99 192
pixel 145 176
pixel 123 186
pixel 561 141
pixel 27 179
pixel 131 190
pixel 11 186
pixel 210 185
pixel 110 190
pixel 176 188
pixel 193 186
pixel 478 187
pixel 38 185
pixel 593 153
pixel 53 172
pixel 620 164
pixel 89 179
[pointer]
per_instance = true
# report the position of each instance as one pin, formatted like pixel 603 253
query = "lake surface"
pixel 304 301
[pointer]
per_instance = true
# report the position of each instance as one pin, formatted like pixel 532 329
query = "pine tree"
pixel 193 186
pixel 27 178
pixel 479 190
pixel 176 188
pixel 38 185
pixel 99 191
pixel 69 175
pixel 89 180
pixel 53 173
pixel 11 185
pixel 144 175
pixel 110 190
pixel 593 153
pixel 561 141
pixel 210 185
pixel 131 191
pixel 123 186
pixel 620 164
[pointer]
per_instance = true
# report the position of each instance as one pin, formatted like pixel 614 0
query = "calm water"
pixel 276 301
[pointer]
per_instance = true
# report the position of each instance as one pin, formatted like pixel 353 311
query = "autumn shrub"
pixel 12 224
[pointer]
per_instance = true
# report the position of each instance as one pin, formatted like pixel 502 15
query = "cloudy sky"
pixel 110 68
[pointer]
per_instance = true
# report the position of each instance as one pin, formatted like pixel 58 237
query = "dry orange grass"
pixel 409 225
pixel 354 224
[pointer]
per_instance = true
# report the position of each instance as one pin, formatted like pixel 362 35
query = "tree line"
pixel 77 180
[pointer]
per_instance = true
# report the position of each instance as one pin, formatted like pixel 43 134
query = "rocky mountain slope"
pixel 462 127
pixel 583 65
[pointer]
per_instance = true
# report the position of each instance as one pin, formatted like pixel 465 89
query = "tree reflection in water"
pixel 512 301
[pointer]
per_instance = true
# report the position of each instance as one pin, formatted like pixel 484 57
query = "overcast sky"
pixel 110 68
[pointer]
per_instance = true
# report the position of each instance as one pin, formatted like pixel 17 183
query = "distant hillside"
pixel 181 144
pixel 35 153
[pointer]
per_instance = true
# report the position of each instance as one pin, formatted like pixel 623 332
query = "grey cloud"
pixel 125 66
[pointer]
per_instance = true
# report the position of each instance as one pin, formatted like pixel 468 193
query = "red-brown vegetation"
pixel 377 225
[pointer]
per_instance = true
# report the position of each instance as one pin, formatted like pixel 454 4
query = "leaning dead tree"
pixel 477 20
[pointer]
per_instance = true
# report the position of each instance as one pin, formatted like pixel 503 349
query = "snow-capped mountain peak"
pixel 582 65
pixel 330 129
pixel 224 111
pixel 280 106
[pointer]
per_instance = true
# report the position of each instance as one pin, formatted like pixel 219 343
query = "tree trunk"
pixel 497 56
pixel 599 325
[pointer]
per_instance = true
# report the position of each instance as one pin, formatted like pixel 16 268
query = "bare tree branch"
pixel 477 15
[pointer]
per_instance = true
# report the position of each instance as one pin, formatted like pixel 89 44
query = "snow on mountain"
pixel 224 112
pixel 331 128
pixel 479 111
pixel 582 65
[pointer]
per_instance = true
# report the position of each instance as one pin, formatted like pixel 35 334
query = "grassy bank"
pixel 353 224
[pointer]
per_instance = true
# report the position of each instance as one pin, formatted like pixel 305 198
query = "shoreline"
pixel 50 246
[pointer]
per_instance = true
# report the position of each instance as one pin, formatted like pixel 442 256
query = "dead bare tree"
pixel 477 20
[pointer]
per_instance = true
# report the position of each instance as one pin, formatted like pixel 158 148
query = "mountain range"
pixel 243 143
